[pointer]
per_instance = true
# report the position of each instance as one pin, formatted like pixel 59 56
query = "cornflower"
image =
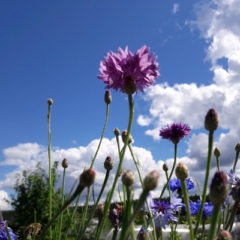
pixel 3 232
pixel 175 184
pixel 195 207
pixel 129 72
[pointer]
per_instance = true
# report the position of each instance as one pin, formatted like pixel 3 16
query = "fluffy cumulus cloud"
pixel 218 23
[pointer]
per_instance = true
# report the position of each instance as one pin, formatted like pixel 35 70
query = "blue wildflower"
pixel 175 184
pixel 195 207
pixel 3 232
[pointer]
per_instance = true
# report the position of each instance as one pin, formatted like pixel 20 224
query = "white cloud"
pixel 175 8
pixel 4 198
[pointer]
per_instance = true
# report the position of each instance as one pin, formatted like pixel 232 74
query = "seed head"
pixel 128 178
pixel 151 180
pixel 211 120
pixel 65 163
pixel 87 177
pixel 181 171
pixel 108 163
pixel 218 188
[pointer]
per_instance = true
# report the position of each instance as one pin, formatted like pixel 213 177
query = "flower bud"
pixel 116 132
pixel 108 97
pixel 143 235
pixel 211 120
pixel 99 211
pixel 128 178
pixel 50 101
pixel 151 180
pixel 218 188
pixel 65 163
pixel 217 152
pixel 181 171
pixel 129 85
pixel 87 177
pixel 108 163
pixel 237 147
pixel 165 167
pixel 124 135
pixel 224 235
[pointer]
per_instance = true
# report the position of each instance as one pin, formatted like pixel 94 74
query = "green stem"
pixel 108 201
pixel 75 194
pixel 82 231
pixel 214 222
pixel 186 201
pixel 49 166
pixel 204 194
pixel 173 167
pixel 62 192
pixel 103 131
pixel 236 160
pixel 232 216
pixel 218 165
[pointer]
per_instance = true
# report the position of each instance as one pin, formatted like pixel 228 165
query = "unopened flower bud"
pixel 151 180
pixel 50 101
pixel 65 163
pixel 211 120
pixel 181 171
pixel 108 163
pixel 128 178
pixel 124 135
pixel 99 211
pixel 116 132
pixel 217 152
pixel 108 97
pixel 129 85
pixel 87 177
pixel 237 147
pixel 143 235
pixel 224 235
pixel 218 188
pixel 165 167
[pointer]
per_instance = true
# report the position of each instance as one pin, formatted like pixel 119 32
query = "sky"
pixel 53 49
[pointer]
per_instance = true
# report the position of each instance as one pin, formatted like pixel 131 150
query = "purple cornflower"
pixel 234 182
pixel 3 232
pixel 129 72
pixel 195 207
pixel 175 132
pixel 163 211
pixel 175 184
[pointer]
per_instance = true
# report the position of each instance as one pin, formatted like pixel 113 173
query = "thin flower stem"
pixel 140 177
pixel 236 160
pixel 214 222
pixel 232 216
pixel 49 166
pixel 108 200
pixel 82 231
pixel 204 194
pixel 186 201
pixel 218 165
pixel 101 138
pixel 62 192
pixel 173 167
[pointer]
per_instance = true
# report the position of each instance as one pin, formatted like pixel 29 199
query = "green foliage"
pixel 31 198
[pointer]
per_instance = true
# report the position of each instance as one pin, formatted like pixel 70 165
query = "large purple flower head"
pixel 129 72
pixel 175 132
pixel 3 232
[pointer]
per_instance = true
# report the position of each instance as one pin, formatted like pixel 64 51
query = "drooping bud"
pixel 217 152
pixel 211 120
pixel 165 167
pixel 218 188
pixel 65 163
pixel 116 132
pixel 50 101
pixel 87 177
pixel 181 171
pixel 128 178
pixel 129 85
pixel 108 163
pixel 224 235
pixel 237 147
pixel 124 135
pixel 151 180
pixel 108 97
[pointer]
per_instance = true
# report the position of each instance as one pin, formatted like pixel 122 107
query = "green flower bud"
pixel 224 235
pixel 108 97
pixel 151 180
pixel 65 163
pixel 165 167
pixel 50 101
pixel 87 177
pixel 237 147
pixel 211 120
pixel 116 132
pixel 124 135
pixel 217 152
pixel 128 178
pixel 108 163
pixel 181 171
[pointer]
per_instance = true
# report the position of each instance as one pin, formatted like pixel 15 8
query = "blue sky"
pixel 52 49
